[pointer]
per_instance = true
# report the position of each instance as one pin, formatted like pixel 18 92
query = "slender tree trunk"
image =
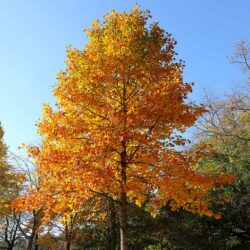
pixel 30 242
pixel 68 245
pixel 36 242
pixel 34 228
pixel 68 236
pixel 123 222
pixel 29 247
pixel 113 235
pixel 6 234
pixel 123 203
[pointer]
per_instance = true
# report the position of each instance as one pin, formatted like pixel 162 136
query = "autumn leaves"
pixel 120 102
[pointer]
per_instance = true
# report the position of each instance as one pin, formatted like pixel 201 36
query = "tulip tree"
pixel 121 109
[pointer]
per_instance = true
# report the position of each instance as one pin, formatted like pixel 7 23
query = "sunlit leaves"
pixel 120 100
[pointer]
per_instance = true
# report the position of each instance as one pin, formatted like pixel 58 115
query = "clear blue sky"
pixel 34 35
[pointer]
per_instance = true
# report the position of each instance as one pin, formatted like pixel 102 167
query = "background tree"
pixel 6 173
pixel 9 226
pixel 225 128
pixel 10 186
pixel 30 223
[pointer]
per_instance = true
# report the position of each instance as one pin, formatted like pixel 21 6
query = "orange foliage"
pixel 121 107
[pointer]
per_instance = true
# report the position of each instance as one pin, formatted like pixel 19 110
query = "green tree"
pixel 5 169
pixel 226 128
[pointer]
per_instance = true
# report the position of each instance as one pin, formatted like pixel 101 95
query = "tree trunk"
pixel 30 242
pixel 123 203
pixel 113 235
pixel 123 222
pixel 68 236
pixel 34 228
pixel 36 242
pixel 68 245
pixel 10 246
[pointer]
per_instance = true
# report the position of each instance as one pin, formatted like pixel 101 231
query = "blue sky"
pixel 34 36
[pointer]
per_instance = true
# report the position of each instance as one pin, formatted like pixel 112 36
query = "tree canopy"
pixel 122 106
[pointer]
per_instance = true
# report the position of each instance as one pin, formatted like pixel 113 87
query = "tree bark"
pixel 31 239
pixel 68 245
pixel 10 247
pixel 68 236
pixel 30 242
pixel 123 198
pixel 36 242
pixel 113 235
pixel 123 222
pixel 123 202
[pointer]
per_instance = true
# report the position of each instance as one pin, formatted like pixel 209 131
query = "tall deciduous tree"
pixel 121 107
